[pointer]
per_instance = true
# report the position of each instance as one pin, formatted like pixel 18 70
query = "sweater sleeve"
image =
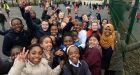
pixel 56 71
pixel 29 22
pixel 66 71
pixel 22 11
pixel 86 68
pixel 50 71
pixel 67 27
pixel 17 68
pixel 45 16
pixel 3 32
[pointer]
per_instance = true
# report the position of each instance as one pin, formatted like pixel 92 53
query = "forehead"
pixel 84 15
pixel 61 13
pixel 47 39
pixel 33 12
pixel 73 49
pixel 44 22
pixel 94 23
pixel 16 21
pixel 67 38
pixel 15 50
pixel 54 27
pixel 63 23
pixel 35 49
pixel 92 38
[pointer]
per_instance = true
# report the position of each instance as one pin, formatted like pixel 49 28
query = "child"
pixel 107 42
pixel 67 41
pixel 6 64
pixel 48 48
pixel 75 38
pixel 93 55
pixel 94 30
pixel 16 35
pixel 32 63
pixel 74 66
pixel 54 31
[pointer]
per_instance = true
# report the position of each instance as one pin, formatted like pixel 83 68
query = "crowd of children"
pixel 57 44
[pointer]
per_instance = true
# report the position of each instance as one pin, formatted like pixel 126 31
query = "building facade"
pixel 93 1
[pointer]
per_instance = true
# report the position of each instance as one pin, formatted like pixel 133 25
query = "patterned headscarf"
pixel 108 41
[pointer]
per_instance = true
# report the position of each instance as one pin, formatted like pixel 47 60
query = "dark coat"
pixel 81 70
pixel 2 18
pixel 5 66
pixel 36 29
pixel 45 16
pixel 12 39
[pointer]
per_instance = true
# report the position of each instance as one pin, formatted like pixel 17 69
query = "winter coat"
pixel 27 68
pixel 12 38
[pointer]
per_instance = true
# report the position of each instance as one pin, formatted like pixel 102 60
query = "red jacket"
pixel 138 15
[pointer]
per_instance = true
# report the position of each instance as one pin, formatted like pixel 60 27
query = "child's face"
pixel 84 25
pixel 93 41
pixel 45 25
pixel 107 31
pixel 54 30
pixel 73 54
pixel 33 14
pixel 47 44
pixel 66 19
pixel 34 41
pixel 104 22
pixel 61 15
pixel 85 18
pixel 74 35
pixel 68 41
pixel 35 55
pixel 94 26
pixel 14 53
pixel 77 27
pixel 16 25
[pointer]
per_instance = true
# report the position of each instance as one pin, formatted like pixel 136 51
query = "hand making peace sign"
pixel 22 56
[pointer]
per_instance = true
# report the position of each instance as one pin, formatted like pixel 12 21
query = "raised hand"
pixel 47 54
pixel 59 53
pixel 47 5
pixel 66 19
pixel 62 62
pixel 22 56
pixel 22 3
pixel 28 8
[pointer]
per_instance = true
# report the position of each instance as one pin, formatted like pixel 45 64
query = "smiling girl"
pixel 32 63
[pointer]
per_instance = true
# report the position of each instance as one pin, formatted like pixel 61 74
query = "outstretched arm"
pixel 31 25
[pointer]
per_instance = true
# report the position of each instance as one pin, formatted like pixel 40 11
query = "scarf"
pixel 108 41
